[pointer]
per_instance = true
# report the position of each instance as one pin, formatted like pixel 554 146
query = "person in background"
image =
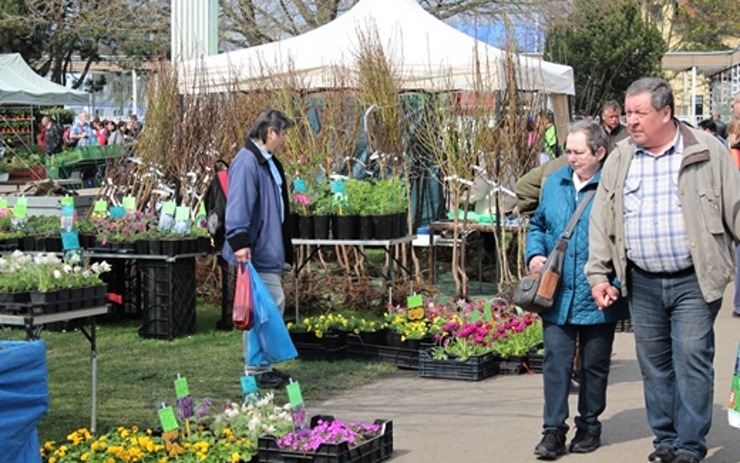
pixel 721 126
pixel 258 223
pixel 100 132
pixel 52 136
pixel 115 137
pixel 710 126
pixel 134 126
pixel 611 122
pixel 665 220
pixel 82 132
pixel 574 314
pixel 733 139
pixel 550 136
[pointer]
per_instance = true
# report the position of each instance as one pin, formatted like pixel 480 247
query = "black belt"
pixel 677 274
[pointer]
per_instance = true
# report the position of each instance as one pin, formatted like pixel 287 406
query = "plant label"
pixel 294 394
pixel 3 203
pixel 182 213
pixel 414 301
pixel 100 206
pixel 167 418
pixel 487 311
pixel 181 387
pixel 168 208
pixel 337 187
pixel 70 240
pixel 474 315
pixel 68 201
pixel 129 203
pixel 117 212
pixel 249 384
pixel 21 207
pixel 299 186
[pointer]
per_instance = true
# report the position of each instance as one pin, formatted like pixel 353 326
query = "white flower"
pixel 57 274
pixel 105 267
pixel 67 268
pixel 74 259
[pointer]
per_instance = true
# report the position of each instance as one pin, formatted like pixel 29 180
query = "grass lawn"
pixel 135 375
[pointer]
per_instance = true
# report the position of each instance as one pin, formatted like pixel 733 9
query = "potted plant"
pixel 323 210
pixel 303 221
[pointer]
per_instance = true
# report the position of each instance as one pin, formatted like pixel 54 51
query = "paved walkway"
pixel 499 419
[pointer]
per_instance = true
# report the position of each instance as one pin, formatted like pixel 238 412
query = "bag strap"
pixel 577 215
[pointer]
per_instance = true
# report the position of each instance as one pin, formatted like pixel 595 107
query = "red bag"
pixel 243 313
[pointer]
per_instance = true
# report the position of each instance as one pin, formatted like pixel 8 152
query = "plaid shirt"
pixel 656 237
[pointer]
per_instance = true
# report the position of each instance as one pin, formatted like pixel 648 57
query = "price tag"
pixel 129 203
pixel 181 387
pixel 167 418
pixel 299 185
pixel 249 384
pixel 100 206
pixel 487 311
pixel 21 207
pixel 182 213
pixel 414 301
pixel 117 212
pixel 3 203
pixel 474 316
pixel 337 187
pixel 68 211
pixel 70 240
pixel 169 208
pixel 294 394
pixel 68 201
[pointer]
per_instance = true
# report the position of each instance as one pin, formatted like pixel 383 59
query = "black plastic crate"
pixel 168 298
pixel 398 356
pixel 511 365
pixel 123 283
pixel 376 449
pixel 331 346
pixel 473 369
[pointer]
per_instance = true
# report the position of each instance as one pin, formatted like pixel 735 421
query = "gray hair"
pixel 661 94
pixel 612 104
pixel 595 136
pixel 267 119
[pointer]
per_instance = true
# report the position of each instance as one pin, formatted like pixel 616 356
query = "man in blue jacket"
pixel 258 216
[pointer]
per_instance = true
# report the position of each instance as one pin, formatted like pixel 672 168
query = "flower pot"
pixel 203 245
pixel 400 227
pixel 305 227
pixel 86 240
pixel 170 247
pixel 53 244
pixel 394 340
pixel 366 228
pixel 14 298
pixel 383 225
pixel 346 227
pixel 46 300
pixel 28 243
pixel 321 227
pixel 295 228
pixel 141 246
pixel 376 338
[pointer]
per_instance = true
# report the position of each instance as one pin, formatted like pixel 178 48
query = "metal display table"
pixel 34 323
pixel 386 245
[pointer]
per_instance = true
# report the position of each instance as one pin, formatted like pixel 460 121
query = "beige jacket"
pixel 709 190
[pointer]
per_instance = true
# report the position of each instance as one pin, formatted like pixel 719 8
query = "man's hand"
pixel 604 294
pixel 536 264
pixel 243 255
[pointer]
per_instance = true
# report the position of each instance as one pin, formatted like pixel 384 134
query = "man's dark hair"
pixel 267 119
pixel 709 125
pixel 661 94
pixel 612 104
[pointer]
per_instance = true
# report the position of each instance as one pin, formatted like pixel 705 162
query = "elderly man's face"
pixel 610 117
pixel 84 117
pixel 644 122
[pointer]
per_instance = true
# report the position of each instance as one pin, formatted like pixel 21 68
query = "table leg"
pixel 93 378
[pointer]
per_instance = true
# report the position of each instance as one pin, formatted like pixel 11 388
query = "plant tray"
pixel 330 347
pixel 511 366
pixel 534 362
pixel 472 369
pixel 398 356
pixel 375 449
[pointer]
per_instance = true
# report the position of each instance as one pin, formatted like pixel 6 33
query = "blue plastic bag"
pixel 269 340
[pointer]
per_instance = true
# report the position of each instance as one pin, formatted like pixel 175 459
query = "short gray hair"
pixel 661 94
pixel 269 118
pixel 612 104
pixel 595 136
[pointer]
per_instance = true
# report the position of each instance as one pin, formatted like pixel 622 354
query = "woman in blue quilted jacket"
pixel 574 313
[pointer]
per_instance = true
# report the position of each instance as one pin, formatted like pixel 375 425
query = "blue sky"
pixel 529 37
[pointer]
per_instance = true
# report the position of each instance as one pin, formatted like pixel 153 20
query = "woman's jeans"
pixel 595 349
pixel 674 338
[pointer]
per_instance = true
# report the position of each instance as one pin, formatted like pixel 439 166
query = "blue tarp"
pixel 24 399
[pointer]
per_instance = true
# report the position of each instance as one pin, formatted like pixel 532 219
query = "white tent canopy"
pixel 19 84
pixel 426 53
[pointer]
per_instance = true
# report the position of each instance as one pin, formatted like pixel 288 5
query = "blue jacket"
pixel 253 212
pixel 574 304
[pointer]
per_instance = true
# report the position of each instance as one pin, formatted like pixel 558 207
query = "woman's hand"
pixel 536 264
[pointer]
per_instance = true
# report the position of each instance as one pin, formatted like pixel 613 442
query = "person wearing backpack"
pixel 257 218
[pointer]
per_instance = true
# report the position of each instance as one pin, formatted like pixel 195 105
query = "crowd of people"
pixel 658 243
pixel 86 132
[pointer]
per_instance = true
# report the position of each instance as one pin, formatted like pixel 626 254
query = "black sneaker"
pixel 575 384
pixel 662 455
pixel 270 380
pixel 685 458
pixel 584 442
pixel 551 446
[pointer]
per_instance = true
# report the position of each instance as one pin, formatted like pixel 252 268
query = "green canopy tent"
pixel 20 85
